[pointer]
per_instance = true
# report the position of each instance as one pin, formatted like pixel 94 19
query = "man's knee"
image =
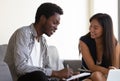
pixel 34 76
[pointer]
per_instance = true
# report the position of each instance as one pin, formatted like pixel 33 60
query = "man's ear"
pixel 43 19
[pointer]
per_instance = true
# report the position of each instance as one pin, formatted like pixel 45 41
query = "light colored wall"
pixel 14 14
pixel 17 13
pixel 74 23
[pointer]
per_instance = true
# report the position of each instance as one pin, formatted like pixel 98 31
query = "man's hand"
pixel 64 73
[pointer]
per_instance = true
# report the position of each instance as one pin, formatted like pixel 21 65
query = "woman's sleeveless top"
pixel 92 48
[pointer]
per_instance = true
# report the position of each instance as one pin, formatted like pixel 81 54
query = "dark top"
pixel 92 48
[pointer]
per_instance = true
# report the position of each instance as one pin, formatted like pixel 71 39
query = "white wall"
pixel 74 23
pixel 17 13
pixel 14 14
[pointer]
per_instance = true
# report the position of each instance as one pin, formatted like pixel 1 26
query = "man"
pixel 29 48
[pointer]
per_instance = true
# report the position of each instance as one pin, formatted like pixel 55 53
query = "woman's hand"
pixel 112 67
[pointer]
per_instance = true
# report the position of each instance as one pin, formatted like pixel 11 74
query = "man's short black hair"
pixel 47 9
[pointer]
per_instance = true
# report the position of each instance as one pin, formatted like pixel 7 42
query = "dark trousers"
pixel 33 76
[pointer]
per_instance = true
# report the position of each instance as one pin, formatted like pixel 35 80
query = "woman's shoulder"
pixel 86 37
pixel 118 45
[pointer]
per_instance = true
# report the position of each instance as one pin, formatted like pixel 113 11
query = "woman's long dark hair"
pixel 108 37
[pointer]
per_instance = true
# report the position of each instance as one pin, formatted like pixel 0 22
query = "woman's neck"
pixel 99 41
pixel 99 50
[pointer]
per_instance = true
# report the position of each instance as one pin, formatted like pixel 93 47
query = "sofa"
pixel 6 74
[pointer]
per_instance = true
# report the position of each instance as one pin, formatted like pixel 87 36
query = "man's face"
pixel 50 26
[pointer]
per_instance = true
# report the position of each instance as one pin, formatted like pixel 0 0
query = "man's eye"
pixel 95 28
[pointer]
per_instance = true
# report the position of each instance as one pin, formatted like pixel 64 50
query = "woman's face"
pixel 96 30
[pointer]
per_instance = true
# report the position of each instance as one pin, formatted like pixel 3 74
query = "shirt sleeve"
pixel 21 54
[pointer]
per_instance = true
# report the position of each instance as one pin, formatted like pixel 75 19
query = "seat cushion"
pixel 2 51
pixel 74 64
pixel 55 62
pixel 5 74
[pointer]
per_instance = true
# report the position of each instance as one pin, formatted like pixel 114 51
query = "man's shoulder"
pixel 23 29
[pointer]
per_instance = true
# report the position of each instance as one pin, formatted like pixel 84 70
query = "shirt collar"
pixel 33 31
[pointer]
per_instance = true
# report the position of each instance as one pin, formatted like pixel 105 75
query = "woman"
pixel 99 48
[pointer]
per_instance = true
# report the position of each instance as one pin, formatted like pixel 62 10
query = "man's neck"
pixel 38 30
